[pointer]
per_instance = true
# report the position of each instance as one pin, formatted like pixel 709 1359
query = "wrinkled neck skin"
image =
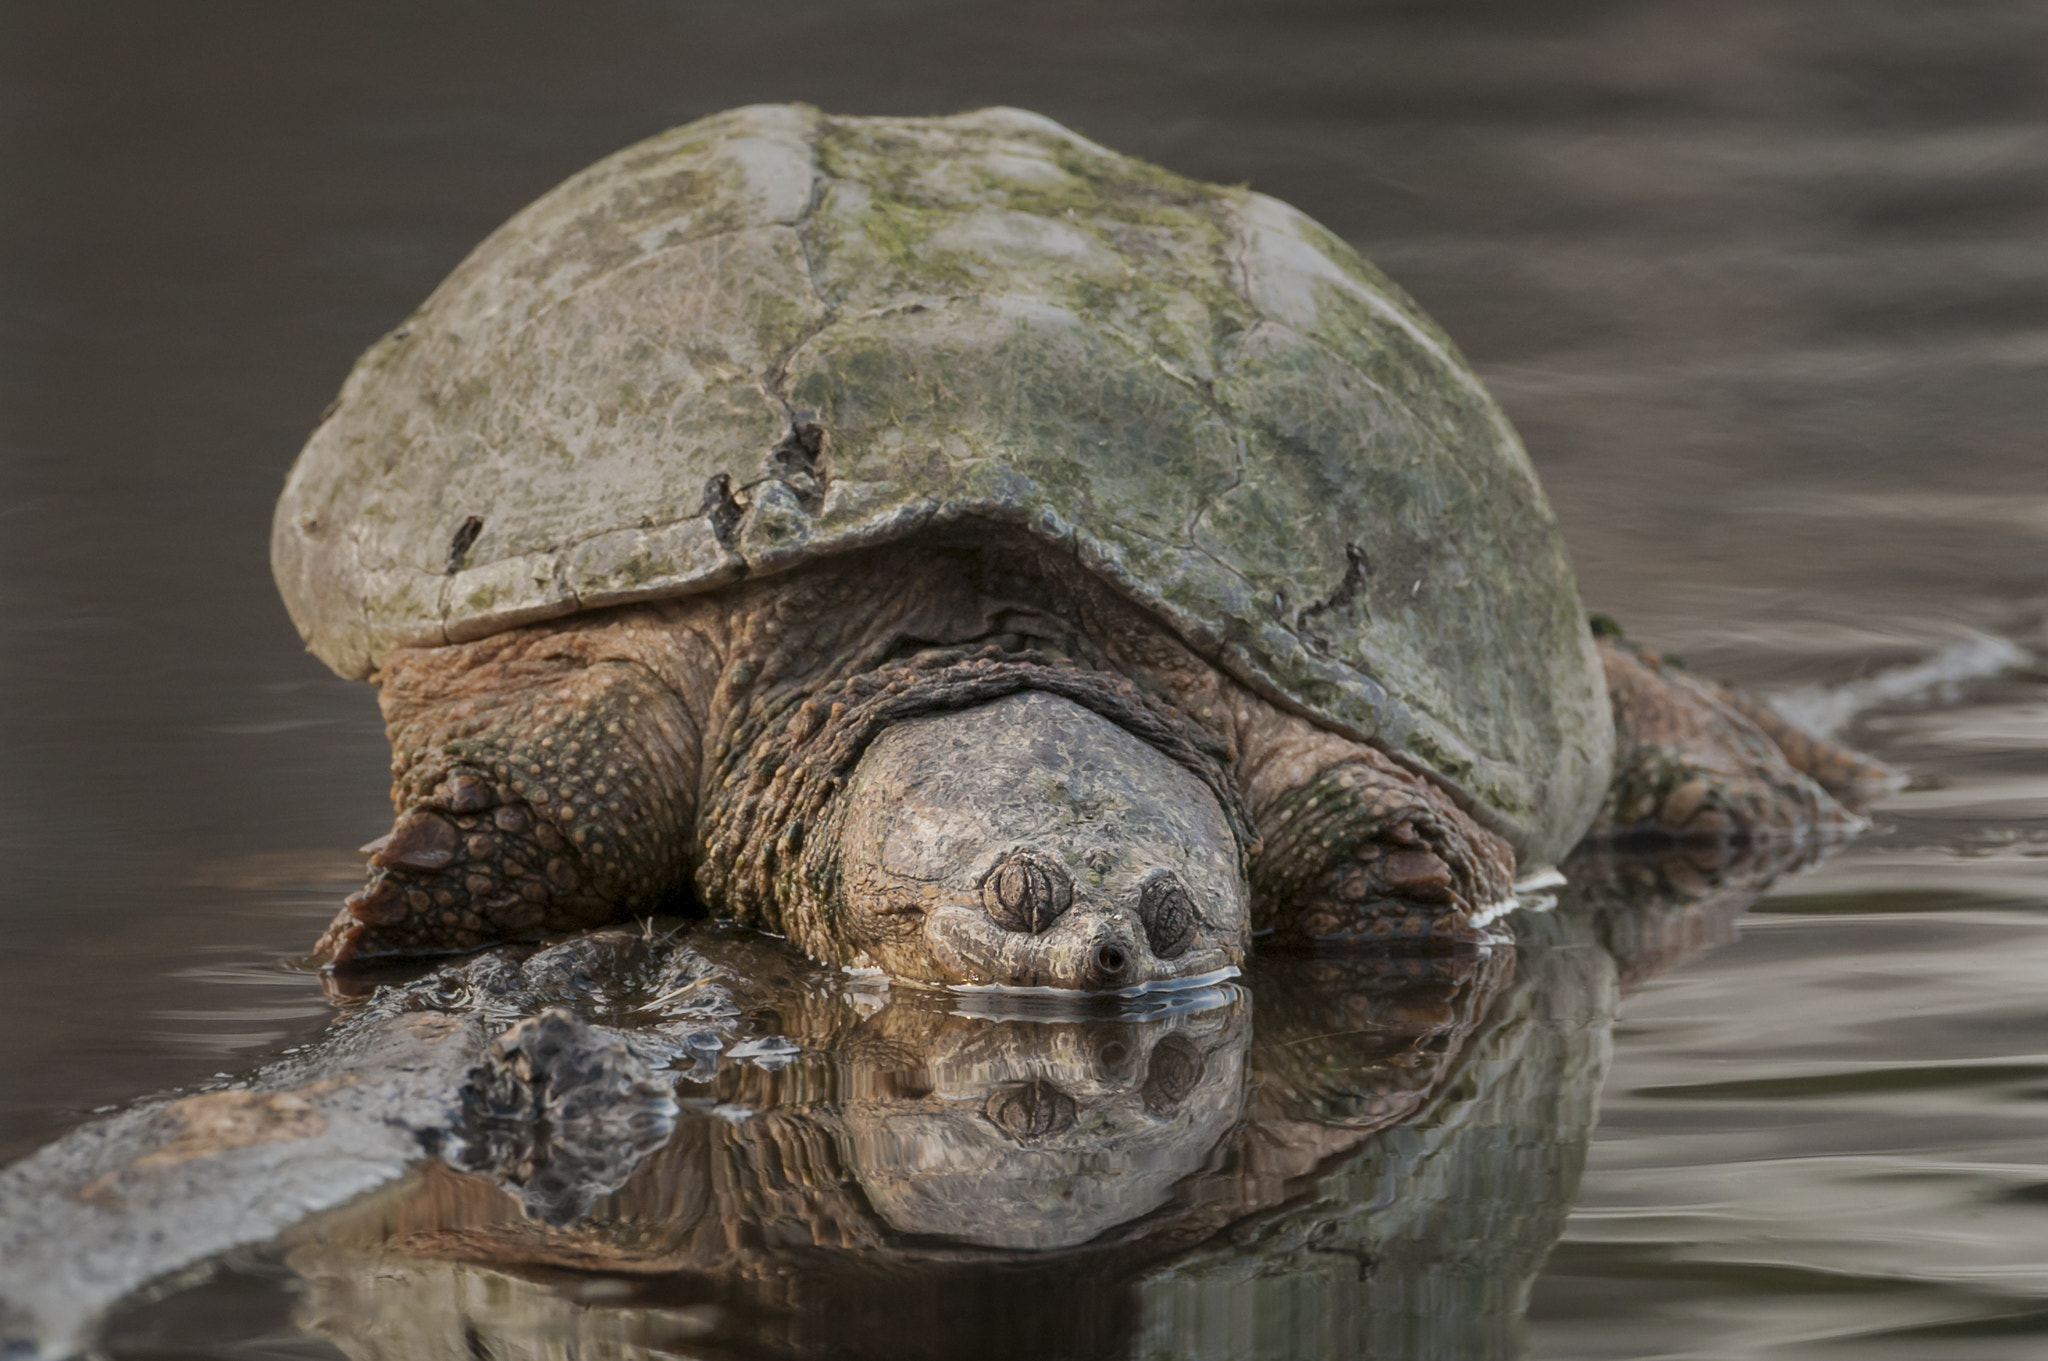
pixel 914 774
pixel 985 820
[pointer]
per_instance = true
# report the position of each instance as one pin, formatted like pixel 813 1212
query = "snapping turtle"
pixel 973 554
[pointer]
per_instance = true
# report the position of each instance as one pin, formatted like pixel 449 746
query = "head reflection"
pixel 1038 1135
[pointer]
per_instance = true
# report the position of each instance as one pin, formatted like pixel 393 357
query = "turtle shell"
pixel 773 335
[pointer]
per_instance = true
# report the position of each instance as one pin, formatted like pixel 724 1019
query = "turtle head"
pixel 1030 842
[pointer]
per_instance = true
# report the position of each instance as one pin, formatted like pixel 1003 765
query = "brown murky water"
pixel 1764 286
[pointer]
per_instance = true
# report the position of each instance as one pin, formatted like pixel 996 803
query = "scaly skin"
pixel 550 778
pixel 545 781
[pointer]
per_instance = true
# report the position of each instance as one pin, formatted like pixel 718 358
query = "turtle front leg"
pixel 544 781
pixel 1698 762
pixel 1363 852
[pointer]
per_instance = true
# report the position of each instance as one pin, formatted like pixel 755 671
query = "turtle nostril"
pixel 1110 960
pixel 1114 1064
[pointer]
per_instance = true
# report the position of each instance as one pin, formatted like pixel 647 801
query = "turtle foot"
pixel 1388 898
pixel 1697 762
pixel 466 868
pixel 1367 855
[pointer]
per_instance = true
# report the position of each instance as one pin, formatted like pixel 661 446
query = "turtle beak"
pixel 1095 947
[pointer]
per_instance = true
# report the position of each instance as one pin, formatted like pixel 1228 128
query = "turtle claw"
pixel 422 840
pixel 381 902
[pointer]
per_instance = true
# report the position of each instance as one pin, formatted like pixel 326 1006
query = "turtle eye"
pixel 1168 912
pixel 1026 891
pixel 1174 1070
pixel 1029 1111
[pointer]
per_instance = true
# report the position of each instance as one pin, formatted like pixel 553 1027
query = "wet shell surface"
pixel 774 335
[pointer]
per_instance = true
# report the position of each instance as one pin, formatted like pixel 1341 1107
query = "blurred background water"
pixel 1764 286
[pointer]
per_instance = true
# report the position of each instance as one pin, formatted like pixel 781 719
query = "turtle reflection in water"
pixel 703 1143
pixel 970 553
pixel 927 1184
